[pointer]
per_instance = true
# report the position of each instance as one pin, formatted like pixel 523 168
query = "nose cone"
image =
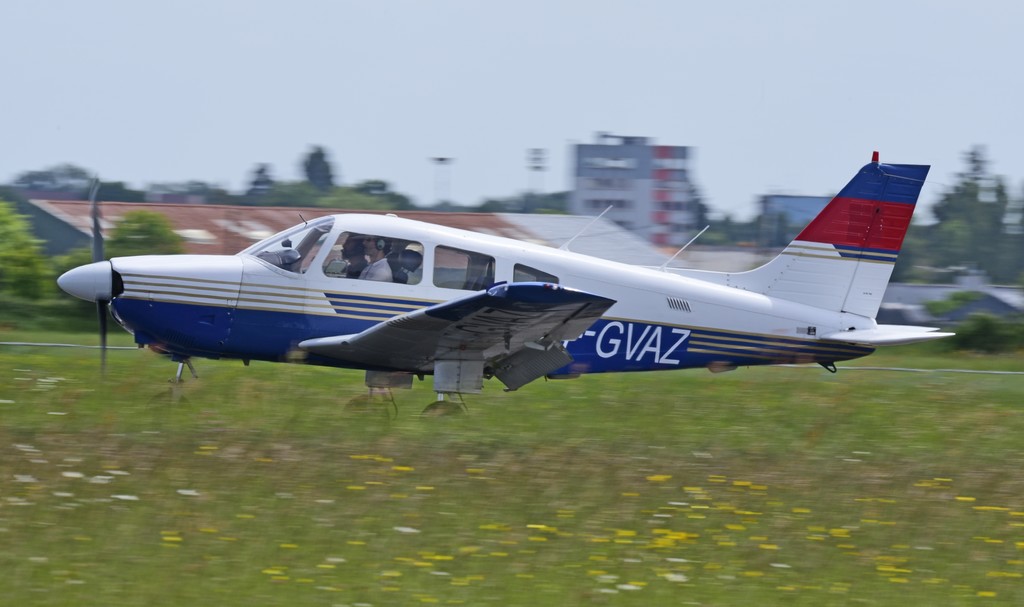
pixel 92 282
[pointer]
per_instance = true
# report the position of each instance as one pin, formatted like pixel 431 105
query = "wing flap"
pixel 516 325
pixel 887 335
pixel 530 363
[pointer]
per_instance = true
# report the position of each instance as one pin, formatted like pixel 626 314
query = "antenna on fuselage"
pixel 670 259
pixel 565 245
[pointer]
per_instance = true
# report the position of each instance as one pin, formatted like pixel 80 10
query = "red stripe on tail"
pixel 865 224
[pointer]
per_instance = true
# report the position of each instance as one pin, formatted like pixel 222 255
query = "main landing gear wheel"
pixel 369 403
pixel 442 407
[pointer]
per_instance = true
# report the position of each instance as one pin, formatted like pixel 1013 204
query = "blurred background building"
pixel 647 186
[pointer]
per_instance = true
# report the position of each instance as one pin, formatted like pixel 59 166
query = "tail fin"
pixel 843 259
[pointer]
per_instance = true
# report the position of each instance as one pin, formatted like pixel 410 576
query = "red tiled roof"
pixel 225 229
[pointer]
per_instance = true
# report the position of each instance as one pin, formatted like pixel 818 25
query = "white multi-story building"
pixel 648 187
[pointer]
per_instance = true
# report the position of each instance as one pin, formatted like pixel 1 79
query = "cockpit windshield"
pixel 293 249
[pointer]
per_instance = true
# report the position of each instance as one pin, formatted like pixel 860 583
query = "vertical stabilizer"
pixel 843 259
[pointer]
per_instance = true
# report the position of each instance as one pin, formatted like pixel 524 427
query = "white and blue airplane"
pixel 401 298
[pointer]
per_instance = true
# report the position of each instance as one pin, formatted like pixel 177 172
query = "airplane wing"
pixel 516 329
pixel 887 335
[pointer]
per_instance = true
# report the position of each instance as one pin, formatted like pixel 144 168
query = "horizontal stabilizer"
pixel 887 335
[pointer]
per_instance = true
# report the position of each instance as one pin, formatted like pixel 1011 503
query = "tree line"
pixel 320 187
pixel 978 226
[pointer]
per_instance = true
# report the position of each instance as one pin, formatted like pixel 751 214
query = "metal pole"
pixel 441 180
pixel 535 164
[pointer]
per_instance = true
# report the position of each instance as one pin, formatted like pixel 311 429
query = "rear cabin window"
pixel 523 273
pixel 460 269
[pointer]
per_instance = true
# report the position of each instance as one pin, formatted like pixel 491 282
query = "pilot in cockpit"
pixel 377 249
pixel 354 254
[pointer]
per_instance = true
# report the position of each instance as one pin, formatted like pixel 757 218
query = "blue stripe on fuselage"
pixel 186 329
pixel 609 345
pixel 622 345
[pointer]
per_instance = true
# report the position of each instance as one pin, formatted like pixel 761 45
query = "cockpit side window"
pixel 461 269
pixel 293 250
pixel 375 257
pixel 523 273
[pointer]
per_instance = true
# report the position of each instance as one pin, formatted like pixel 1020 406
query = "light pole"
pixel 442 178
pixel 535 163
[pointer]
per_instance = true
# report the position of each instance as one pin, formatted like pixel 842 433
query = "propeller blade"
pixel 94 210
pixel 101 309
pixel 97 255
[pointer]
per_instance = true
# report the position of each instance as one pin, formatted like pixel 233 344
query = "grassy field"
pixel 763 486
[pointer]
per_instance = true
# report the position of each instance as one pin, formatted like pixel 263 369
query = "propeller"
pixel 97 255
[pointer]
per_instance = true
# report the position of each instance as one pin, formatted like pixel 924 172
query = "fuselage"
pixel 259 304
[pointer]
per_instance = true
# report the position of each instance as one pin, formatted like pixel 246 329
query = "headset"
pixel 379 243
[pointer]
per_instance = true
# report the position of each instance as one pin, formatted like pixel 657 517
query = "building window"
pixel 608 183
pixel 675 164
pixel 609 163
pixel 600 204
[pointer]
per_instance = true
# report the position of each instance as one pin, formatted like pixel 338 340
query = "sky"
pixel 783 96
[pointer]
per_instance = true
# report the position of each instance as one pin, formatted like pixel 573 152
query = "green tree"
pixel 318 170
pixel 349 198
pixel 143 233
pixel 262 182
pixel 382 189
pixel 1013 244
pixel 193 191
pixel 63 177
pixel 24 272
pixel 729 231
pixel 973 228
pixel 554 203
pixel 371 196
pixel 956 237
pixel 988 333
pixel 72 259
pixel 909 266
pixel 287 194
pixel 137 233
pixel 373 187
pixel 118 191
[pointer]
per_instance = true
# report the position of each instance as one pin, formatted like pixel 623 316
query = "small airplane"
pixel 399 298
